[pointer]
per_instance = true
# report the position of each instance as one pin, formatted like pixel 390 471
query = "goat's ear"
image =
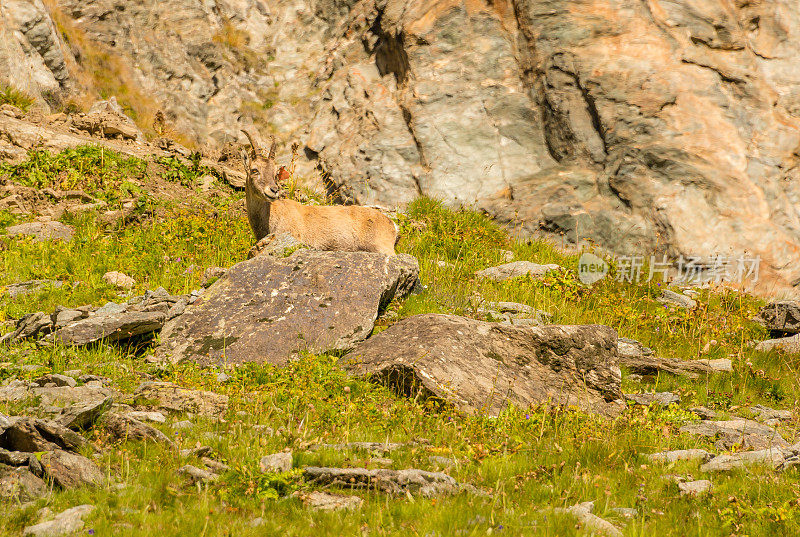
pixel 246 160
pixel 272 149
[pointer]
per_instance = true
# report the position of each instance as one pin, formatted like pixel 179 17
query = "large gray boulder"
pixel 482 367
pixel 265 309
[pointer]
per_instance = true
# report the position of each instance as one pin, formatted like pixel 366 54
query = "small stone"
pixel 704 413
pixel 207 182
pixel 676 299
pixel 43 231
pixel 124 427
pixel 516 269
pixel 695 488
pixel 84 415
pixel 215 466
pixel 277 463
pixel 212 274
pixel 201 451
pixel 680 455
pixel 178 399
pixel 771 457
pixel 69 470
pixel 155 417
pixel 19 484
pixel 15 290
pixel 765 413
pixel 266 430
pixel 322 501
pixel 118 279
pixel 507 255
pixel 256 522
pixel 647 399
pixel 583 513
pixel 182 425
pixel 790 344
pixel 626 512
pixel 222 377
pixel 197 475
pixel 65 523
pixel 58 380
pixel 444 462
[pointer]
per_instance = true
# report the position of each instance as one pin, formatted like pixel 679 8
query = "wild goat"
pixel 345 228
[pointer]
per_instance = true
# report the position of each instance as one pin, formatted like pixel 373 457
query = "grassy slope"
pixel 530 459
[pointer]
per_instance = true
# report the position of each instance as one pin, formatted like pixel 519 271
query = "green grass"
pixel 15 97
pixel 529 459
pixel 99 172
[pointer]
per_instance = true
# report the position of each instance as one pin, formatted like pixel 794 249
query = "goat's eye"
pixel 254 171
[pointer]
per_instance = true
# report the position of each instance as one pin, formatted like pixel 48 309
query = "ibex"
pixel 345 228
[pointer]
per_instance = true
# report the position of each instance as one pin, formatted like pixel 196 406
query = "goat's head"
pixel 261 171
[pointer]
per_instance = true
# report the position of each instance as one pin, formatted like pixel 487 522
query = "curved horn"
pixel 272 149
pixel 253 142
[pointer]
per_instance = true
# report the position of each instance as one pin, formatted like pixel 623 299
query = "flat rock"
pixel 70 470
pixel 118 279
pixel 676 299
pixel 390 481
pixel 142 415
pixel 695 488
pixel 266 309
pixel 33 435
pixel 63 397
pixel 275 245
pixel 373 447
pixel 651 365
pixel 789 344
pixel 704 413
pixel 482 367
pixel 178 399
pixel 782 316
pixel 124 427
pixel 197 475
pixel 680 455
pixel 751 434
pixel 516 269
pixel 322 501
pixel 58 380
pixel 110 327
pixel 15 290
pixel 65 523
pixel 598 526
pixel 659 398
pixel 765 413
pixel 84 415
pixel 277 463
pixel 630 348
pixel 771 457
pixel 42 231
pixel 108 120
pixel 19 484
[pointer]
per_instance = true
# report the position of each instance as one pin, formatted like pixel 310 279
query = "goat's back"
pixel 336 227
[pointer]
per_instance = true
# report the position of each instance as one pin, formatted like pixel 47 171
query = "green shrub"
pixel 99 172
pixel 20 99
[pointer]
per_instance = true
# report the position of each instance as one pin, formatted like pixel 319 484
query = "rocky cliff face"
pixel 646 125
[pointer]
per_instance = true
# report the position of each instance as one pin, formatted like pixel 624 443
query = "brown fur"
pixel 348 228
